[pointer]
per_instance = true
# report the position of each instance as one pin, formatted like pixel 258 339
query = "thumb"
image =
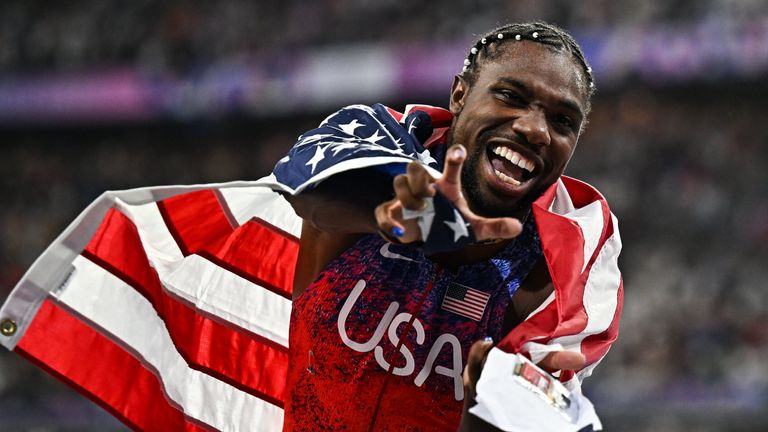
pixel 564 360
pixel 475 361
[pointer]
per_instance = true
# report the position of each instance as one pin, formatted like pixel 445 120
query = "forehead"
pixel 539 66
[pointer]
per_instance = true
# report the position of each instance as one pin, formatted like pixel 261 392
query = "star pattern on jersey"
pixel 458 226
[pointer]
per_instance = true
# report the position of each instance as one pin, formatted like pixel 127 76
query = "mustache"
pixel 486 136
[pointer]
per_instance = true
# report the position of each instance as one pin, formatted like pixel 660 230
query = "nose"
pixel 532 124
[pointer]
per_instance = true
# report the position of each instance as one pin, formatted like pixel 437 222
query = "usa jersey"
pixel 380 339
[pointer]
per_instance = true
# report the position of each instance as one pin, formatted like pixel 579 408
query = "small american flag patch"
pixel 465 301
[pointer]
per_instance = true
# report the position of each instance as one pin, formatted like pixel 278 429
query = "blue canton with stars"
pixel 359 136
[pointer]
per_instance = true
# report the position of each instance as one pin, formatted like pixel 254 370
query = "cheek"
pixel 562 153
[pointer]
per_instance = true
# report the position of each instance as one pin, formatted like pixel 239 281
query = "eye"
pixel 565 123
pixel 512 97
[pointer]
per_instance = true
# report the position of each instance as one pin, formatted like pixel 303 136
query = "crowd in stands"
pixel 177 36
pixel 692 203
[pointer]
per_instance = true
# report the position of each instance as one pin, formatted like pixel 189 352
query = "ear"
pixel 459 91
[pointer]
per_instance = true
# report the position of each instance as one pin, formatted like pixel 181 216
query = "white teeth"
pixel 514 157
pixel 506 178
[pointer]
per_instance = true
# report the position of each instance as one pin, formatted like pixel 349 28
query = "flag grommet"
pixel 8 327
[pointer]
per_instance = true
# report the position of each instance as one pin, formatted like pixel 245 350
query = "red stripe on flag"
pixel 69 349
pixel 256 251
pixel 196 220
pixel 232 354
pixel 559 236
pixel 261 253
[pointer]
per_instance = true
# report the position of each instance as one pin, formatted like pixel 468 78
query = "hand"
pixel 416 184
pixel 478 352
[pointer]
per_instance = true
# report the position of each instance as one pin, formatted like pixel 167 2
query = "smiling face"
pixel 520 121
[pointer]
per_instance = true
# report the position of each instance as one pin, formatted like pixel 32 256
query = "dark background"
pixel 104 94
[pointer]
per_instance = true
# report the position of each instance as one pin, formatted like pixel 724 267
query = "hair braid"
pixel 487 48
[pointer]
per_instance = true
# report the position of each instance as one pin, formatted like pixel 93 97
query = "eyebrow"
pixel 566 103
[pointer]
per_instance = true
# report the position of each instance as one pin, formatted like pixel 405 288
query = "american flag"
pixel 170 306
pixel 465 301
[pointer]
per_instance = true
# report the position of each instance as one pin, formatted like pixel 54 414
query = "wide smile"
pixel 511 168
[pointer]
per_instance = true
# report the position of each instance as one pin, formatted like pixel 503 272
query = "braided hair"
pixel 487 48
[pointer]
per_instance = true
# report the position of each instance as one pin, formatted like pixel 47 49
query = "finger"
pixel 564 360
pixel 453 162
pixel 386 221
pixel 389 220
pixel 475 361
pixel 496 228
pixel 404 193
pixel 419 180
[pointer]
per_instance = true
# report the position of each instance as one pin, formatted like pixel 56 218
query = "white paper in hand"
pixel 503 401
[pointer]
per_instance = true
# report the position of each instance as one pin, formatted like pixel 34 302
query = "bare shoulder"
pixel 316 249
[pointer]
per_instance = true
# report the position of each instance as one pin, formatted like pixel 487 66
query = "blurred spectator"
pixel 159 37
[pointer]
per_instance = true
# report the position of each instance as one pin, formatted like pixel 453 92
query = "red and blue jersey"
pixel 380 339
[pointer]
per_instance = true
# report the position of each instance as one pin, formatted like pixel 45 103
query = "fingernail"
pixel 397 231
pixel 488 339
pixel 458 151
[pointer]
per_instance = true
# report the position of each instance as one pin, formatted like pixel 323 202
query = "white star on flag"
pixel 350 127
pixel 459 228
pixel 373 139
pixel 313 138
pixel 426 157
pixel 336 148
pixel 319 155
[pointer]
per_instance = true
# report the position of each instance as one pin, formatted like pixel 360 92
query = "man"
pixel 381 327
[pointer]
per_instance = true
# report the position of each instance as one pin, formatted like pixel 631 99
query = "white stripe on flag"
pixel 115 307
pixel 245 203
pixel 589 218
pixel 161 248
pixel 209 287
pixel 600 292
pixel 228 296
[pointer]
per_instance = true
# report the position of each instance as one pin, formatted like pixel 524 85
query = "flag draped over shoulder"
pixel 170 306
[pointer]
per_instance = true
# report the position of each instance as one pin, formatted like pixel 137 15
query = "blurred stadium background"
pixel 107 94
